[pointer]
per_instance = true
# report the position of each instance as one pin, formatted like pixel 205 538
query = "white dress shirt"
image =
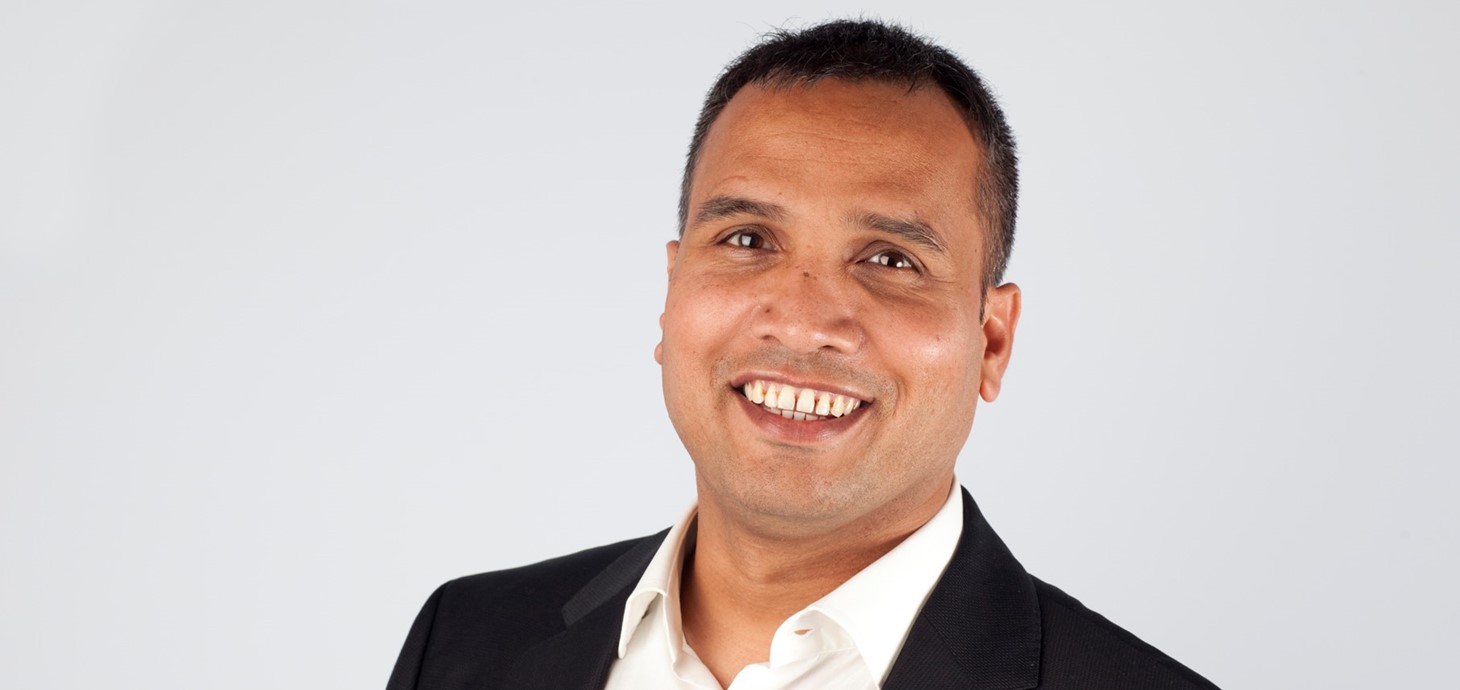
pixel 847 639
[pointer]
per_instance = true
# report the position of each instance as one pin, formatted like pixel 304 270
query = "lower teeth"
pixel 798 416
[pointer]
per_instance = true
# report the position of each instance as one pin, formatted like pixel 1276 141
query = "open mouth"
pixel 800 404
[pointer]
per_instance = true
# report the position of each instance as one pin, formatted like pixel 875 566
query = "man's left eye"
pixel 745 239
pixel 891 259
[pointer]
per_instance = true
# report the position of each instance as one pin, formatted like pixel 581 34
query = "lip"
pixel 795 432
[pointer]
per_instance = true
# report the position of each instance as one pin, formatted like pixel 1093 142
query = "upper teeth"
pixel 799 403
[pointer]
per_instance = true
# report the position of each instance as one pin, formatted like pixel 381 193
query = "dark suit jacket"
pixel 987 625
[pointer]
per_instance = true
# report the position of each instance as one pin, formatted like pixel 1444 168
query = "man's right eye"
pixel 745 238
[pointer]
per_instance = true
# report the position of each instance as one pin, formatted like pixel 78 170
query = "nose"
pixel 807 311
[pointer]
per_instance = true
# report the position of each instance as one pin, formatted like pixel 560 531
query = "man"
pixel 834 313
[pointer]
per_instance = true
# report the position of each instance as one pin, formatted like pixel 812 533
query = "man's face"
pixel 833 247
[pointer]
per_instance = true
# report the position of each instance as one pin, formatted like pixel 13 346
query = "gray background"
pixel 306 307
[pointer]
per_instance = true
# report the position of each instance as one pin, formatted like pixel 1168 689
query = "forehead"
pixel 843 142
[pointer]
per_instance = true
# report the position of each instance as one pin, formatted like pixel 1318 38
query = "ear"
pixel 659 346
pixel 671 250
pixel 1001 316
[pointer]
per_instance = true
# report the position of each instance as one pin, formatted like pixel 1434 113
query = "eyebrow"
pixel 912 230
pixel 721 207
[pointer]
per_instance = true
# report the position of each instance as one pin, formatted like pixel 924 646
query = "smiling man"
pixel 835 313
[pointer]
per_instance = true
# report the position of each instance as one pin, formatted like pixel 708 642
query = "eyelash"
pixel 887 258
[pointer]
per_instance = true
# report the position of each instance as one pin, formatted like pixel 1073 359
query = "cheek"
pixel 700 316
pixel 940 351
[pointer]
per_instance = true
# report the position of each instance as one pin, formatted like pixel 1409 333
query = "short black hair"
pixel 857 50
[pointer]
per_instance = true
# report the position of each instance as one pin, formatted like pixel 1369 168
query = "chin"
pixel 784 495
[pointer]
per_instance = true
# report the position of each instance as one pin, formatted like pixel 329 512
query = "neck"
pixel 744 580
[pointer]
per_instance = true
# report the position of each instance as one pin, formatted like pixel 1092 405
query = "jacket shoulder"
pixel 1083 649
pixel 471 628
pixel 531 589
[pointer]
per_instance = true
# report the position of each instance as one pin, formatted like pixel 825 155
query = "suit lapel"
pixel 578 658
pixel 980 627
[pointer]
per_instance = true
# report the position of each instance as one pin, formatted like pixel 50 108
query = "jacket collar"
pixel 980 626
pixel 580 655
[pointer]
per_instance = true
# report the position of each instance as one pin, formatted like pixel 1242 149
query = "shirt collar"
pixel 876 607
pixel 661 579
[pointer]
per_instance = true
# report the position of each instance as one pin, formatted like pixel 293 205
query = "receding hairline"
pixel 783 80
pixel 871 50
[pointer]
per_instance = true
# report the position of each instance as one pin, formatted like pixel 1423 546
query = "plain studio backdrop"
pixel 297 298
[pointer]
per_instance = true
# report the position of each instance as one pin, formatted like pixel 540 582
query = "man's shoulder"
pixel 543 586
pixel 472 628
pixel 1082 648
